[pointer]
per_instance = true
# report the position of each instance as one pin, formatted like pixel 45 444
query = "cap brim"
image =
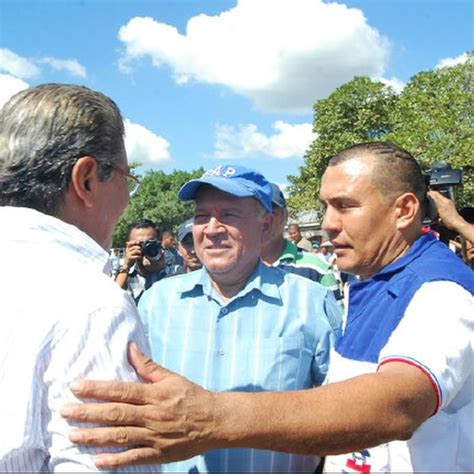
pixel 189 190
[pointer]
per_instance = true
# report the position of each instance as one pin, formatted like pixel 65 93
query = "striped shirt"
pixel 275 334
pixel 306 264
pixel 62 319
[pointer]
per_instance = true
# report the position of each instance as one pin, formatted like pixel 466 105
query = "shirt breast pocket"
pixel 282 363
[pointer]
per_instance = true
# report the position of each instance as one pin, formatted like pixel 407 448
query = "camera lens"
pixel 152 249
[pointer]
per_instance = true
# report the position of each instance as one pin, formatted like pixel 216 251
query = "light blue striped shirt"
pixel 275 334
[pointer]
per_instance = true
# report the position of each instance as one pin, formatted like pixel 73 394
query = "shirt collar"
pixel 415 251
pixel 264 280
pixel 33 227
pixel 289 252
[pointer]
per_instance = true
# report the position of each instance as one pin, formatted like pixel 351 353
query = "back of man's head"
pixel 44 130
pixel 395 170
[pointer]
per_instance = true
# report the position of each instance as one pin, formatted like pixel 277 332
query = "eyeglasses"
pixel 132 181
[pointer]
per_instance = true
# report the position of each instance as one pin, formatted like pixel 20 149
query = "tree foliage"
pixel 433 120
pixel 431 117
pixel 158 201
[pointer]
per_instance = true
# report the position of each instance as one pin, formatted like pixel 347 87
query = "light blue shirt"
pixel 275 334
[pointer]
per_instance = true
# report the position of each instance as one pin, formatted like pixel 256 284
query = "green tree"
pixel 358 111
pixel 158 201
pixel 432 119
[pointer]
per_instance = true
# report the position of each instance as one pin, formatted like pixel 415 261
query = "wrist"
pixel 233 417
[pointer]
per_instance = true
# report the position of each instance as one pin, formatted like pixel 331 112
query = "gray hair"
pixel 44 130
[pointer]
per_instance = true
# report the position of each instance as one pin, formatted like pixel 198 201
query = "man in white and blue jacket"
pixel 398 395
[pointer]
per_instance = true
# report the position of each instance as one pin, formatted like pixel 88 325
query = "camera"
pixel 443 178
pixel 152 249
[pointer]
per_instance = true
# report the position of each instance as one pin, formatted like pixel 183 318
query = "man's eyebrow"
pixel 338 197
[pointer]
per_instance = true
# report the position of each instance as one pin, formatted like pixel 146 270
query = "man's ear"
pixel 407 210
pixel 267 226
pixel 84 180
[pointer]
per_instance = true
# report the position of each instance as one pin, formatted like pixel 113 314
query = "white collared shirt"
pixel 62 319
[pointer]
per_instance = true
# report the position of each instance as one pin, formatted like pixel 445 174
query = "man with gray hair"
pixel 237 324
pixel 63 186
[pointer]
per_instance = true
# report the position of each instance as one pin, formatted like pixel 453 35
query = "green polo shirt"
pixel 308 265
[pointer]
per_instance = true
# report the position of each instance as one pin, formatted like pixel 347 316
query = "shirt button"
pixel 224 310
pixel 221 352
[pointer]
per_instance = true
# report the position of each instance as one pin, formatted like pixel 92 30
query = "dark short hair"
pixel 145 224
pixel 395 171
pixel 44 130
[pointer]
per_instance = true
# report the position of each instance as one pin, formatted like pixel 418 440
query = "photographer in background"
pixel 453 220
pixel 144 262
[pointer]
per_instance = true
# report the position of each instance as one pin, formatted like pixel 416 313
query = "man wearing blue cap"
pixel 186 249
pixel 285 254
pixel 238 324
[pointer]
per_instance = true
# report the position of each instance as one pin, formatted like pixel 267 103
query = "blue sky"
pixel 204 82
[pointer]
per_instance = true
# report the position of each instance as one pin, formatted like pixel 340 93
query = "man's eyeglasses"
pixel 132 181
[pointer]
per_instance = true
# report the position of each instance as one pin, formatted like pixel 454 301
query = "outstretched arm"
pixel 172 419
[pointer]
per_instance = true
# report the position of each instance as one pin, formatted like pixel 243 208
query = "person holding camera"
pixel 144 262
pixel 450 217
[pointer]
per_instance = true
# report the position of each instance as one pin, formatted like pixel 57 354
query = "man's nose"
pixel 213 226
pixel 331 221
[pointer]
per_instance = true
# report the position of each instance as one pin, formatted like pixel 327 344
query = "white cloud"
pixel 282 54
pixel 449 62
pixel 289 141
pixel 71 65
pixel 16 65
pixel 9 86
pixel 144 146
pixel 25 68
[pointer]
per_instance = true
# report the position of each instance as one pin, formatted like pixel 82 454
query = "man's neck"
pixel 229 285
pixel 398 249
pixel 273 250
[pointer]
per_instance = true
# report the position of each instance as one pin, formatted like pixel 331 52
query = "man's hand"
pixel 133 253
pixel 450 217
pixel 168 420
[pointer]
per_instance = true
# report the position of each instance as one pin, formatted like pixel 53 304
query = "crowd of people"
pixel 232 351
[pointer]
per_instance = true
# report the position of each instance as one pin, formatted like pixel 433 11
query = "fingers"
pixel 145 367
pixel 441 200
pixel 115 391
pixel 109 413
pixel 111 436
pixel 126 458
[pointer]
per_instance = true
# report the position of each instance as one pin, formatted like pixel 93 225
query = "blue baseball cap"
pixel 236 180
pixel 277 196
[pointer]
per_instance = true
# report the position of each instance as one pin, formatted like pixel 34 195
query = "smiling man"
pixel 399 394
pixel 237 324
